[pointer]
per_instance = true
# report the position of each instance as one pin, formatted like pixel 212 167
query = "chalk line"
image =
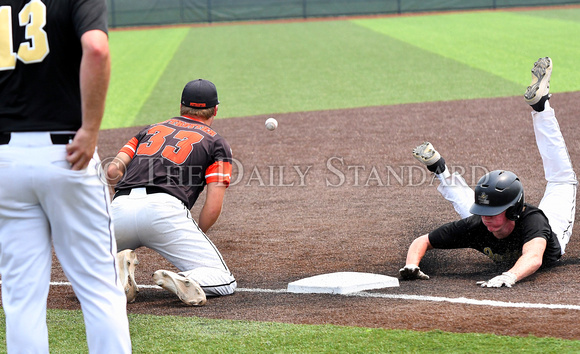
pixel 457 300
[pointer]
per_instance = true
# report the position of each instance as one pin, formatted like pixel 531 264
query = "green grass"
pixel 171 334
pixel 138 58
pixel 291 67
pixel 497 43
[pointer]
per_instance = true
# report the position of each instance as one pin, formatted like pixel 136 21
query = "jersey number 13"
pixel 33 18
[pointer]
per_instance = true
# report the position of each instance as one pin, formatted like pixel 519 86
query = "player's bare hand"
pixel 505 279
pixel 412 272
pixel 81 150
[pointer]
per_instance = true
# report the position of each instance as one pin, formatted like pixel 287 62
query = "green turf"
pixel 171 334
pixel 278 68
pixel 498 43
pixel 564 14
pixel 138 58
pixel 289 67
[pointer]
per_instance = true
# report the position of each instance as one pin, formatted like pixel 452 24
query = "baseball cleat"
pixel 187 290
pixel 127 261
pixel 540 85
pixel 426 154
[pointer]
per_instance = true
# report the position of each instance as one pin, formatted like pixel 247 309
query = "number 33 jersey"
pixel 179 157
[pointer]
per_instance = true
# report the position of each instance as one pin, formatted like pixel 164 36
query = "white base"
pixel 342 283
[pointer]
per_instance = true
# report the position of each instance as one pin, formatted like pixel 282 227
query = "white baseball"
pixel 271 124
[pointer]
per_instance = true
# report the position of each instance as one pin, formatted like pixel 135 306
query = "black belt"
pixel 148 189
pixel 57 139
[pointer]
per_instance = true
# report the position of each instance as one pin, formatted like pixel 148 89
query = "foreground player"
pixel 160 174
pixel 502 226
pixel 52 99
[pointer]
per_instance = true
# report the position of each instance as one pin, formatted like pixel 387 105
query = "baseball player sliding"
pixel 159 175
pixel 499 223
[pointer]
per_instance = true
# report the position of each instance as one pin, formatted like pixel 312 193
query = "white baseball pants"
pixel 163 223
pixel 42 201
pixel 559 200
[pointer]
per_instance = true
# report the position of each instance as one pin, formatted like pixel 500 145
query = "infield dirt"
pixel 333 191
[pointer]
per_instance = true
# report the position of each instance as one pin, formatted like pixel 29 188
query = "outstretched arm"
pixel 531 258
pixel 415 253
pixel 528 263
pixel 418 249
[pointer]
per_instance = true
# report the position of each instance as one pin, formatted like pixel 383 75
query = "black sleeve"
pixel 89 15
pixel 223 151
pixel 536 225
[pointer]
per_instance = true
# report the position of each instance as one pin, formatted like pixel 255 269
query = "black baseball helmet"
pixel 498 191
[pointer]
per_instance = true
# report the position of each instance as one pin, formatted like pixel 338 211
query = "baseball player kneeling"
pixel 499 223
pixel 158 176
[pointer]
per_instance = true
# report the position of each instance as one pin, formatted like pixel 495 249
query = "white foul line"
pixel 457 300
pixel 463 300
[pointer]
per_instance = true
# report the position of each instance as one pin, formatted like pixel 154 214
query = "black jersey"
pixel 179 157
pixel 472 233
pixel 39 80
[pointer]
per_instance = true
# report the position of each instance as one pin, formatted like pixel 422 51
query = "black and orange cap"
pixel 199 93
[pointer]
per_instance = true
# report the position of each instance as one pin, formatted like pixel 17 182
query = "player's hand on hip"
pixel 81 150
pixel 412 272
pixel 505 279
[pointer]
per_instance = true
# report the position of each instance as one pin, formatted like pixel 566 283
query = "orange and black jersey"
pixel 179 156
pixel 40 61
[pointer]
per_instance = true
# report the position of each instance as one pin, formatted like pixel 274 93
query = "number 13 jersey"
pixel 39 44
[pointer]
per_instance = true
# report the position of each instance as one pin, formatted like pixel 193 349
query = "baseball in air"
pixel 271 124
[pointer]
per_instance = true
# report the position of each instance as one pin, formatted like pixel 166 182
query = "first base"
pixel 342 283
